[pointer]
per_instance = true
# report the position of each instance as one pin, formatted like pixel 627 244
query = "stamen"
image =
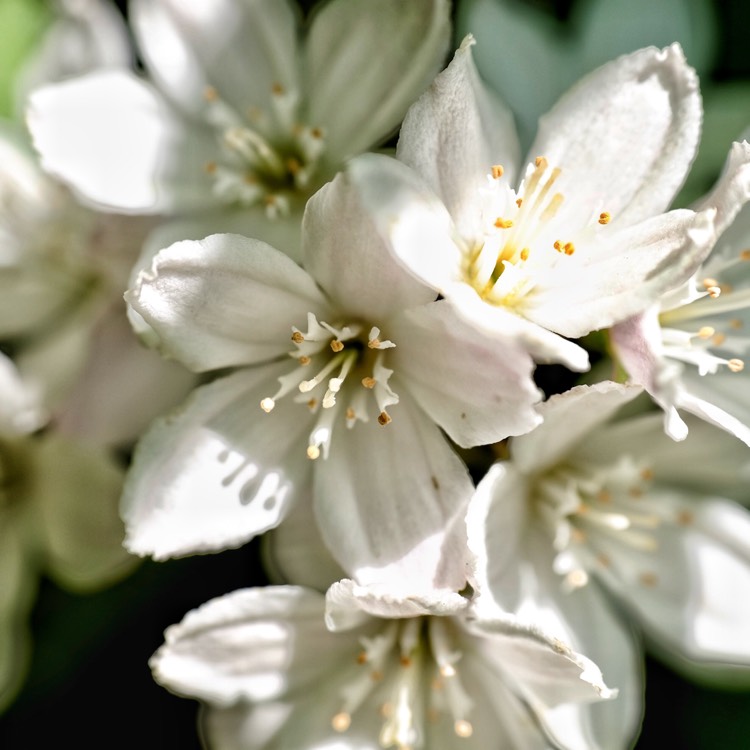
pixel 501 223
pixel 297 337
pixel 736 365
pixel 337 345
pixel 706 332
pixel 524 255
pixel 463 728
pixel 384 418
pixel 368 382
pixel 341 721
pixel 605 217
pixel 497 171
pixel 267 405
pixel 313 452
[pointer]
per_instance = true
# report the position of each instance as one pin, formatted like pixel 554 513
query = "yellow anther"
pixel 736 365
pixel 519 202
pixel 341 722
pixel 540 161
pixel 603 560
pixel 501 223
pixel 497 171
pixel 267 405
pixel 714 292
pixel 558 246
pixel 706 332
pixel 605 217
pixel 384 418
pixel 709 282
pixel 297 337
pixel 312 403
pixel 304 361
pixel 405 661
pixel 277 88
pixel 735 323
pixel 350 413
pixel 210 167
pixel 685 518
pixel 368 382
pixel 718 339
pixel 569 248
pixel 745 255
pixel 647 474
pixel 361 658
pixel 337 345
pixel 463 728
pixel 316 133
pixel 373 343
pixel 210 94
pixel 524 255
pixel 313 452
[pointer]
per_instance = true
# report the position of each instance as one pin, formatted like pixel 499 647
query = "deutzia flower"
pixel 689 349
pixel 587 508
pixel 243 109
pixel 571 242
pixel 391 671
pixel 347 370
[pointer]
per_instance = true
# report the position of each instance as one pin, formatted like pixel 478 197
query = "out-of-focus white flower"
pixel 586 509
pixel 85 35
pixel 392 671
pixel 58 516
pixel 689 349
pixel 373 371
pixel 62 272
pixel 245 110
pixel 582 241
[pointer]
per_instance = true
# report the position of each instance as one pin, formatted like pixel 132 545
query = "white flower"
pixel 585 509
pixel 396 671
pixel 349 409
pixel 58 517
pixel 62 271
pixel 689 349
pixel 581 241
pixel 244 108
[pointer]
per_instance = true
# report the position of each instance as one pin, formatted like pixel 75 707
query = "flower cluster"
pixel 458 559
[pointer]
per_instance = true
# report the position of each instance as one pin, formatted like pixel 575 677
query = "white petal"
pixel 346 601
pixel 346 38
pixel 240 48
pixel 253 644
pixel 144 383
pixel 454 134
pixel 544 670
pixel 409 217
pixel 390 503
pixel 217 472
pixel 223 301
pixel 595 133
pixel 568 418
pixel 21 410
pixel 732 190
pixel 477 389
pixel 119 145
pixel 350 261
pixel 623 275
pixel 692 593
pixel 498 322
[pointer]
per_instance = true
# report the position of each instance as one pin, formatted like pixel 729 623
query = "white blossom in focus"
pixel 689 349
pixel 391 671
pixel 572 239
pixel 346 372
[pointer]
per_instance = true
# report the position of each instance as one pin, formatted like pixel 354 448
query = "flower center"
pixel 408 672
pixel 335 366
pixel 595 514
pixel 523 235
pixel 265 157
pixel 707 326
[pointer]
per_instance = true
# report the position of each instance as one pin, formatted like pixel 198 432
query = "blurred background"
pixel 89 683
